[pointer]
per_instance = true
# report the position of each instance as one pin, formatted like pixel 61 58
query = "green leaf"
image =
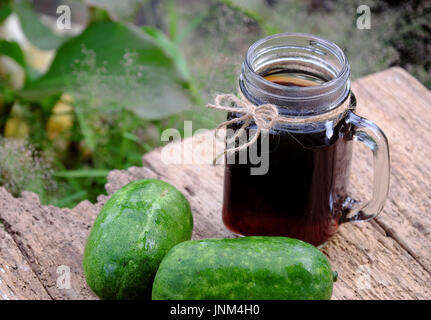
pixel 173 51
pixel 87 132
pixel 122 10
pixel 5 11
pixel 172 14
pixel 37 33
pixel 170 48
pixel 112 65
pixel 82 173
pixel 193 24
pixel 131 137
pixel 13 50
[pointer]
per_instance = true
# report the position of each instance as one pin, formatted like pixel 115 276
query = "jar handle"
pixel 367 132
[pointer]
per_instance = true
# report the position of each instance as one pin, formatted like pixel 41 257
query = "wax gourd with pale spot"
pixel 245 268
pixel 137 226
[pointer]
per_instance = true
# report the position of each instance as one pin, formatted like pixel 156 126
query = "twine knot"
pixel 265 116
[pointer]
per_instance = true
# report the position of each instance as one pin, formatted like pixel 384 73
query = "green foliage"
pixel 5 10
pixel 123 10
pixel 111 79
pixel 13 50
pixel 38 34
pixel 92 173
pixel 137 69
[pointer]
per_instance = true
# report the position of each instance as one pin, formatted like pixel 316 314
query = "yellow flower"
pixel 16 128
pixel 61 119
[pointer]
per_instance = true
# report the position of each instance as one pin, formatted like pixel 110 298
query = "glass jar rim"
pixel 291 92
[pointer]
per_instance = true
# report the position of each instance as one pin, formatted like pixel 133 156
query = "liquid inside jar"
pixel 292 78
pixel 302 194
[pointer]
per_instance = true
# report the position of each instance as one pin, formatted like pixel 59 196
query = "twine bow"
pixel 265 116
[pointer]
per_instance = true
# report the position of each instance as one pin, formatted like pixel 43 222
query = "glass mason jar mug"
pixel 303 194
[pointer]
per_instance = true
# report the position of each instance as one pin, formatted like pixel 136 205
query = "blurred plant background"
pixel 75 104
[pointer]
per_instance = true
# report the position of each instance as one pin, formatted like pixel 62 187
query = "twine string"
pixel 265 116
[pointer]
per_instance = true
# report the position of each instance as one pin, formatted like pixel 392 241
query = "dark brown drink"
pixel 302 194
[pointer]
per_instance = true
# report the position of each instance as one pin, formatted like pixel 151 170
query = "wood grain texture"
pixel 401 106
pixel 17 279
pixel 388 258
pixel 49 238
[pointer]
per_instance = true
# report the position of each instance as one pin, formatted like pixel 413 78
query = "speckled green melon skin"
pixel 135 229
pixel 245 268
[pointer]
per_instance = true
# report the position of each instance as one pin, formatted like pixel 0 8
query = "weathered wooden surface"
pixel 401 106
pixel 388 258
pixel 17 279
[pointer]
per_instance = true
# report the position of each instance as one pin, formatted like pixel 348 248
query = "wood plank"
pixel 48 238
pixel 401 106
pixel 36 240
pixel 17 279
